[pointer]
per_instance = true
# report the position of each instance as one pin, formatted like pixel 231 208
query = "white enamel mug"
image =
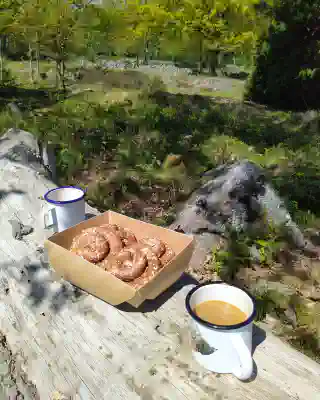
pixel 230 345
pixel 69 207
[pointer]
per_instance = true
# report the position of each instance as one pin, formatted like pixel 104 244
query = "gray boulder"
pixel 234 198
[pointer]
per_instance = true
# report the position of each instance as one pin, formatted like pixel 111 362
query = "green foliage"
pixel 83 130
pixel 289 79
pixel 307 342
pixel 99 196
pixel 264 304
pixel 227 261
pixel 223 149
pixel 100 26
pixel 65 31
pixel 146 24
pixel 189 31
pixel 201 28
pixel 267 240
pixel 299 184
pixel 214 27
pixel 7 121
pixel 155 84
pixel 8 79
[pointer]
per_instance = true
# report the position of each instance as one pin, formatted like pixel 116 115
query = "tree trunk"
pixel 146 51
pixel 145 57
pixel 30 64
pixel 213 62
pixel 38 58
pixel 156 52
pixel 57 74
pixel 1 61
pixel 201 56
pixel 63 75
pixel 220 59
pixel 60 74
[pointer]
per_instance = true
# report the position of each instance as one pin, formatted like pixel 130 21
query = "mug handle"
pixel 243 371
pixel 46 218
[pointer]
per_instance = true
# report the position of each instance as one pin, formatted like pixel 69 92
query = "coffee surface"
pixel 219 312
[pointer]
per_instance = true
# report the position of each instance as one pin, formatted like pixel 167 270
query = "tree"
pixel 147 23
pixel 287 68
pixel 57 29
pixel 63 33
pixel 104 25
pixel 8 12
pixel 30 28
pixel 214 26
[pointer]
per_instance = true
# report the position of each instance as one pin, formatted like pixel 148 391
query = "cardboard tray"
pixel 105 286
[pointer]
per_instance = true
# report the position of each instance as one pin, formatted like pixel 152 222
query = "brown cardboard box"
pixel 100 283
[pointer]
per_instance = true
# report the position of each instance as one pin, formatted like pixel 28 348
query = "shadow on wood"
pixel 36 278
pixel 3 139
pixel 258 337
pixel 6 193
pixel 23 154
pixel 153 305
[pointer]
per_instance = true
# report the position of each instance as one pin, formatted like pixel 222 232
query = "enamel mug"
pixel 230 345
pixel 68 207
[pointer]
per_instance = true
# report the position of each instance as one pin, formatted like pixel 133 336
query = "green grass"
pixel 114 81
pixel 22 74
pixel 236 93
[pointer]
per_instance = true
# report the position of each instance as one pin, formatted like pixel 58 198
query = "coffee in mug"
pixel 222 315
pixel 219 312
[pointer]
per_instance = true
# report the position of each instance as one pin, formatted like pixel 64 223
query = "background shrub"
pixel 286 74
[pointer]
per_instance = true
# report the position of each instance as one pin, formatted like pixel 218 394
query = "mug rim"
pixel 210 324
pixel 64 201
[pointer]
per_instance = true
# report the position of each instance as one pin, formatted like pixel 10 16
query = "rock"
pixel 237 198
pixel 241 181
pixel 225 202
pixel 314 236
pixel 311 250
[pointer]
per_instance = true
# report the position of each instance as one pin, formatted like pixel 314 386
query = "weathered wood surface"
pixel 71 345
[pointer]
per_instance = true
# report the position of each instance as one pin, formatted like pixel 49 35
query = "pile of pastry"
pixel 117 250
